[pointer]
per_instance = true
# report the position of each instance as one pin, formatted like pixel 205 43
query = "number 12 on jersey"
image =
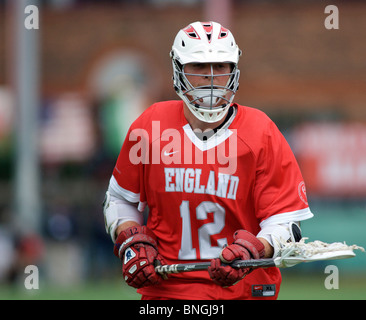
pixel 206 249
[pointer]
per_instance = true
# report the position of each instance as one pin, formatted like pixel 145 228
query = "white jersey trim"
pixel 128 195
pixel 219 137
pixel 212 142
pixel 281 218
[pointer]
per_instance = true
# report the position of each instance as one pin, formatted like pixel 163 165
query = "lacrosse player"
pixel 219 180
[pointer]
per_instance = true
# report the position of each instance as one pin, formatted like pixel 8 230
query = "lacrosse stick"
pixel 291 254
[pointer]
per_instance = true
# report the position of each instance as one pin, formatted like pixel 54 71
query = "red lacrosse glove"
pixel 137 249
pixel 245 246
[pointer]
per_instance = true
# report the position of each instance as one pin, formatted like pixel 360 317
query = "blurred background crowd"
pixel 70 89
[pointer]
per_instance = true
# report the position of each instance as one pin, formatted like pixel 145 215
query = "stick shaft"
pixel 254 263
pixel 198 266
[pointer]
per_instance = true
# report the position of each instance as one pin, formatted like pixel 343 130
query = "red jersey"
pixel 199 192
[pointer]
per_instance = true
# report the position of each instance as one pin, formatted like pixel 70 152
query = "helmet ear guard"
pixel 205 42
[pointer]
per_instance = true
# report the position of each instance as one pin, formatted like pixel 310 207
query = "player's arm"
pixel 134 244
pixel 125 226
pixel 268 249
pixel 276 234
pixel 119 213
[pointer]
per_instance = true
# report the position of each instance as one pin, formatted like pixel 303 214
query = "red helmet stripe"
pixel 207 26
pixel 189 30
pixel 223 33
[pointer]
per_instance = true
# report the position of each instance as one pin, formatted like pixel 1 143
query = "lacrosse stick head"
pixel 293 253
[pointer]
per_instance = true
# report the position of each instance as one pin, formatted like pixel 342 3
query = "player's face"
pixel 208 76
pixel 204 71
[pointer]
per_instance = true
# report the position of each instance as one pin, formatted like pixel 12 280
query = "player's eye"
pixel 222 67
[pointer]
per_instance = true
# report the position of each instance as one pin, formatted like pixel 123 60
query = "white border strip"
pixel 128 195
pixel 212 142
pixel 287 217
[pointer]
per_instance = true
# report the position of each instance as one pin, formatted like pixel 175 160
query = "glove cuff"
pixel 132 235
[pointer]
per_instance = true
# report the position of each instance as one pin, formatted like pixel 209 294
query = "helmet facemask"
pixel 209 102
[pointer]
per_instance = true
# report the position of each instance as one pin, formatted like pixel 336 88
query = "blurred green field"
pixel 311 287
pixel 103 290
pixel 294 287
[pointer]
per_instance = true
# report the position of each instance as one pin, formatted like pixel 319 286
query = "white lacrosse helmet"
pixel 205 42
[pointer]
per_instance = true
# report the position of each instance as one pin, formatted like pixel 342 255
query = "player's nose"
pixel 205 69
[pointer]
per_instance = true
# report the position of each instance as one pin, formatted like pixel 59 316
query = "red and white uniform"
pixel 200 192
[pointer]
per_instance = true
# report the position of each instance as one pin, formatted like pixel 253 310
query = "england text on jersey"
pixel 189 180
